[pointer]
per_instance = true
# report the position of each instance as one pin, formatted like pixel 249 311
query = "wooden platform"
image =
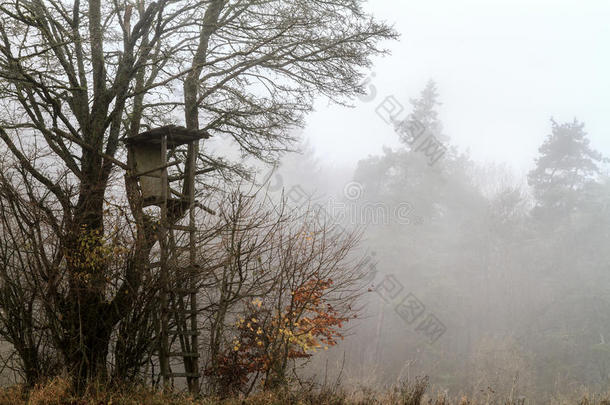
pixel 176 136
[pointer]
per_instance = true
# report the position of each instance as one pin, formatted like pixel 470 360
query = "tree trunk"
pixel 87 327
pixel 88 359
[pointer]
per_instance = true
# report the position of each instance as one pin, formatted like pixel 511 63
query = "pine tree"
pixel 424 115
pixel 566 168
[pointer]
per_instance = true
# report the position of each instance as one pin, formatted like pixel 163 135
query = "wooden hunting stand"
pixel 177 324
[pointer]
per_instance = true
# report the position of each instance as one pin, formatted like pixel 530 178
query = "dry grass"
pixel 57 392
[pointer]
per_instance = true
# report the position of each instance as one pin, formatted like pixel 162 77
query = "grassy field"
pixel 57 392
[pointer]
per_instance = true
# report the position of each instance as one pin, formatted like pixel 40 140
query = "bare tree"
pixel 78 77
pixel 21 323
pixel 288 283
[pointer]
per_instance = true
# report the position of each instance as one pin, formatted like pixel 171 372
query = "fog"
pixel 305 201
pixel 501 242
pixel 503 68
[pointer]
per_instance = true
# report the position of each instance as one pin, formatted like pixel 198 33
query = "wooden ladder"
pixel 178 295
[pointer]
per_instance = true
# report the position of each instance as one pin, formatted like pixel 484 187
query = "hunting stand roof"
pixel 176 136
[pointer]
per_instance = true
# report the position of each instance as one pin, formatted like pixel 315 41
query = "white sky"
pixel 503 68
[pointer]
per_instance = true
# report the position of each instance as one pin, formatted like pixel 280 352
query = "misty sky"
pixel 503 68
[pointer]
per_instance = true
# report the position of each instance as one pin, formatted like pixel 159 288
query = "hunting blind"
pixel 148 160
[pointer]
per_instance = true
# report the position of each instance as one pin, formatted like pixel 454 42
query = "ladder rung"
pixel 183 228
pixel 183 311
pixel 178 375
pixel 184 332
pixel 185 290
pixel 186 268
pixel 183 354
